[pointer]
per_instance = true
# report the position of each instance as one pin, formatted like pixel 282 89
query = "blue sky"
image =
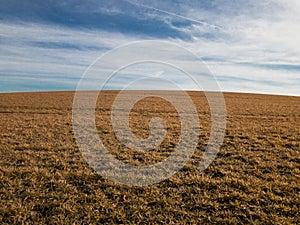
pixel 250 46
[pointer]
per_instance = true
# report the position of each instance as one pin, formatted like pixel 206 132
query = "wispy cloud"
pixel 250 47
pixel 44 55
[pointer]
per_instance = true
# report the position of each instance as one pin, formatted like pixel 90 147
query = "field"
pixel 45 180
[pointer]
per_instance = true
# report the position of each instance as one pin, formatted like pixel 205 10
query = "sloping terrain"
pixel 45 180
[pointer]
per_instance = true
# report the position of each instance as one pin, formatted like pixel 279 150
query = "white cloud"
pixel 248 43
pixel 240 42
pixel 20 54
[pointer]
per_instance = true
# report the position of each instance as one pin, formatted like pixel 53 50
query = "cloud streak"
pixel 250 48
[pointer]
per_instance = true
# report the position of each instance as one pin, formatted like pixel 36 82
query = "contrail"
pixel 174 14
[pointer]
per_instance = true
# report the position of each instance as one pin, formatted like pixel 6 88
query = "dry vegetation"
pixel 254 179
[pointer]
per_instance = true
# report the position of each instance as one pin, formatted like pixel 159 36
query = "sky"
pixel 249 46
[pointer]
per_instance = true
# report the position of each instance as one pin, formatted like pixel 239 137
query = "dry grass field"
pixel 254 179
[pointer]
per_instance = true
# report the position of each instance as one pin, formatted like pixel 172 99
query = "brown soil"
pixel 45 180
